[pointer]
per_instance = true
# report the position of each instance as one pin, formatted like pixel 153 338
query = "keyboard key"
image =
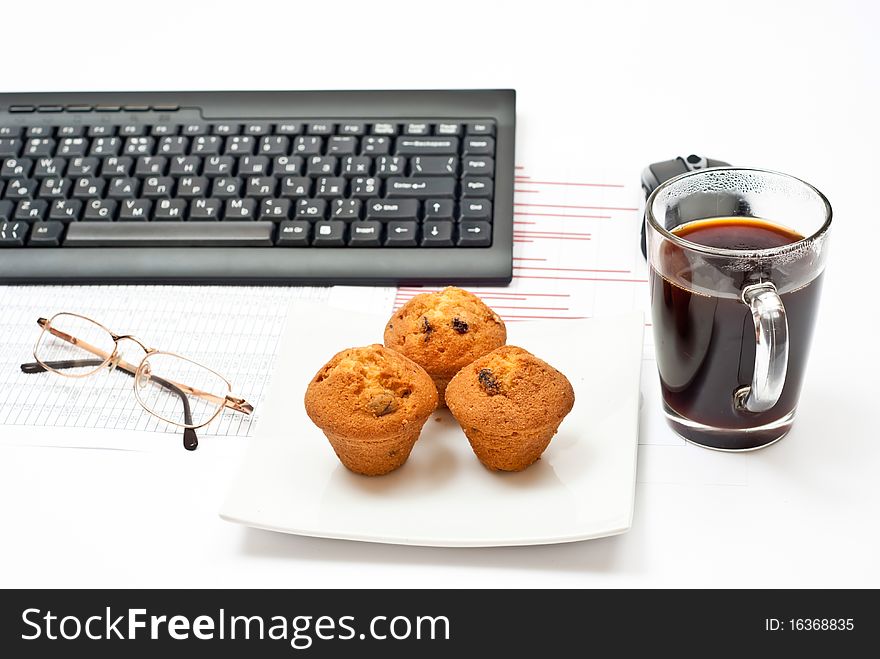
pixel 375 145
pixel 207 145
pixel 310 145
pixel 478 146
pixel 46 234
pixel 39 146
pixel 73 146
pixel 433 166
pixel 474 234
pixel 227 129
pixel 135 210
pixel 274 210
pixel 12 234
pixel 274 145
pixel 195 129
pixel 54 188
pixel 10 131
pixel 439 209
pixel 385 128
pixel 347 210
pixel 70 131
pixel 289 128
pixel 481 128
pixel 476 186
pixel 352 128
pixel 329 233
pixel 385 210
pixel 16 168
pixel 330 187
pixel 356 165
pixel 342 145
pixel 133 130
pixel 65 210
pixel 420 188
pixel 364 187
pixel 117 166
pixel 253 165
pixel 321 128
pixel 225 187
pixel 261 186
pixel 365 234
pixel 20 188
pixel 83 166
pixel 123 188
pixel 105 146
pixel 101 130
pixel 257 129
pixel 205 210
pixel 156 187
pixel 239 145
pixel 312 209
pixel 321 165
pixel 39 131
pixel 476 166
pixel 6 209
pixel 100 210
pixel 401 234
pixel 475 209
pixel 186 165
pixel 173 145
pixel 437 234
pixel 218 165
pixel 190 187
pixel 10 147
pixel 161 130
pixel 451 130
pixel 49 167
pixel 170 210
pixel 287 166
pixel 150 166
pixel 417 129
pixel 88 187
pixel 240 209
pixel 31 210
pixel 175 234
pixel 293 233
pixel 390 166
pixel 428 146
pixel 296 186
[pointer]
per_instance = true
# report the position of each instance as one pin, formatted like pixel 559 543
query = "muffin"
pixel 509 404
pixel 371 403
pixel 444 332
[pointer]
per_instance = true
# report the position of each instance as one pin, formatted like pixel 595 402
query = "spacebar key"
pixel 169 234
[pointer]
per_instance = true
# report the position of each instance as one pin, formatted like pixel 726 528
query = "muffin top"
pixel 370 391
pixel 442 332
pixel 509 389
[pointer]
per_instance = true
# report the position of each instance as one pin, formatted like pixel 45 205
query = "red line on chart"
pixel 521 191
pixel 521 258
pixel 521 222
pixel 586 185
pixel 632 281
pixel 525 240
pixel 518 167
pixel 551 233
pixel 410 289
pixel 593 208
pixel 524 267
pixel 506 316
pixel 590 217
pixel 496 306
pixel 515 241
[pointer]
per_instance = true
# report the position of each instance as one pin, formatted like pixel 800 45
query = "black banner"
pixel 312 623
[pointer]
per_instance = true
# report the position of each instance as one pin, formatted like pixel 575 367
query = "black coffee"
pixel 705 345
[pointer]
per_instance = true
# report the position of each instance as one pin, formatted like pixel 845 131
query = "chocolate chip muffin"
pixel 371 403
pixel 509 404
pixel 443 332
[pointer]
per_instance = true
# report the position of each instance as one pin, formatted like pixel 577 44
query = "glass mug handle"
pixel 771 349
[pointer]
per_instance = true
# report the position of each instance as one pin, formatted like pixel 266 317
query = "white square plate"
pixel 582 487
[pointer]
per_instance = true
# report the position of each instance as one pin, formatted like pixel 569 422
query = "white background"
pixel 791 86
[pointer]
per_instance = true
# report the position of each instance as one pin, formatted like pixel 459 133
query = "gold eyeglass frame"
pixel 114 360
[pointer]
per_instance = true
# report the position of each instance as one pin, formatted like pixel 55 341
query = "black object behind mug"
pixel 654 175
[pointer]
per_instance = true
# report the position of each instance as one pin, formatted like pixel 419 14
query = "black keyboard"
pixel 355 187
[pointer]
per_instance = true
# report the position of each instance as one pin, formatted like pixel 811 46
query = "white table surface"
pixel 788 86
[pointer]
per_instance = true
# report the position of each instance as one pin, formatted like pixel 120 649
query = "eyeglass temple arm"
pixel 190 439
pixel 232 402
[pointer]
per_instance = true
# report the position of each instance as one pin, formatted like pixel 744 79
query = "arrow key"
pixel 437 234
pixel 402 234
pixel 439 209
pixel 474 234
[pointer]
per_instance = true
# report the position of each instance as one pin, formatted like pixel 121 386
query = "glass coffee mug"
pixel 736 260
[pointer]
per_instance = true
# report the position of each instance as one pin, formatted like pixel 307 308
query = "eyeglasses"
pixel 75 346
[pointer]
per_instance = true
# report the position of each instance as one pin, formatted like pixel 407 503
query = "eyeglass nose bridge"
pixel 122 337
